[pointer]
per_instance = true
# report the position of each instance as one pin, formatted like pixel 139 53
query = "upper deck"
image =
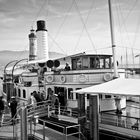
pixel 87 61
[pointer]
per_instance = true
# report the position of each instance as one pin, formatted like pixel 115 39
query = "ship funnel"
pixel 32 45
pixel 42 40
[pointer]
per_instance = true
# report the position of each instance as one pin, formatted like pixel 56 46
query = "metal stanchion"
pixel 94 115
pixel 43 130
pixel 24 123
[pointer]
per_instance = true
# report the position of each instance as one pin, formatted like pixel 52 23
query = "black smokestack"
pixel 41 26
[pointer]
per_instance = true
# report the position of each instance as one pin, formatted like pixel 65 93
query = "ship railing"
pixel 66 111
pixel 120 120
pixel 10 128
pixel 38 129
pixel 40 108
pixel 46 108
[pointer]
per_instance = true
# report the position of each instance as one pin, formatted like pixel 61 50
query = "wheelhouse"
pixel 91 62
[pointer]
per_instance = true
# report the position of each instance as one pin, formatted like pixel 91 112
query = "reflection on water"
pixel 128 119
pixel 133 109
pixel 135 76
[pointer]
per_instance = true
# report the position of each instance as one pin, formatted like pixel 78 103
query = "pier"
pixel 66 126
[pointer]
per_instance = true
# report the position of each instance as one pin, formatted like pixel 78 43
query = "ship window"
pixel 79 63
pixel 94 62
pixel 15 92
pixel 87 96
pixel 19 93
pixel 76 63
pixel 100 96
pixel 107 63
pixel 24 93
pixel 70 94
pixel 102 63
pixel 107 96
pixel 77 93
pixel 76 96
pixel 85 62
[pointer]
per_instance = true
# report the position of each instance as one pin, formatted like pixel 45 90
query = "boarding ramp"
pixel 57 118
pixel 37 127
pixel 44 123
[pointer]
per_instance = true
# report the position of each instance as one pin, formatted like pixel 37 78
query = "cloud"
pixel 63 18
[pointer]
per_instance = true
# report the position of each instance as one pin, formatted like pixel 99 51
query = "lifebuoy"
pixel 49 78
pixel 62 78
pixel 107 77
pixel 82 78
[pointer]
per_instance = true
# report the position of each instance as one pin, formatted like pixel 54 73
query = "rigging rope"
pixel 38 13
pixel 56 44
pixel 90 10
pixel 119 9
pixel 84 26
pixel 62 23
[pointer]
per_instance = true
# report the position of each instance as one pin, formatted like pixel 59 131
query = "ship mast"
pixel 113 39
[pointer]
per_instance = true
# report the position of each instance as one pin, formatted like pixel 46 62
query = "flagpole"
pixel 113 39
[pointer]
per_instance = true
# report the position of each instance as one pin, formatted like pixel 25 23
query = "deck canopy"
pixel 119 86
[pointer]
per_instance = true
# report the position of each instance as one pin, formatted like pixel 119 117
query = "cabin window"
pixel 70 94
pixel 77 93
pixel 87 96
pixel 101 63
pixel 15 92
pixel 24 93
pixel 19 93
pixel 94 62
pixel 76 96
pixel 85 62
pixel 79 63
pixel 107 63
pixel 100 96
pixel 107 96
pixel 76 63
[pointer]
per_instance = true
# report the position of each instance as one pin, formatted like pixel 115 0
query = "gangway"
pixel 60 123
pixel 34 127
pixel 42 117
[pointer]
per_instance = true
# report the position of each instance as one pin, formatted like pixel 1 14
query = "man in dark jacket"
pixel 1 110
pixel 13 107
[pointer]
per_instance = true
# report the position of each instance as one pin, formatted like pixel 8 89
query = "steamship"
pixel 45 75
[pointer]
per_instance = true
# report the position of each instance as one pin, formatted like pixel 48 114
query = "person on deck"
pixel 13 107
pixel 32 100
pixel 1 110
pixel 67 67
pixel 56 104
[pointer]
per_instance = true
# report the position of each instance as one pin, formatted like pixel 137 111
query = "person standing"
pixel 32 100
pixel 67 67
pixel 56 104
pixel 1 110
pixel 13 107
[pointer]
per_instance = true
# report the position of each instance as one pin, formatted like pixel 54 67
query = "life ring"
pixel 107 77
pixel 49 78
pixel 62 78
pixel 82 78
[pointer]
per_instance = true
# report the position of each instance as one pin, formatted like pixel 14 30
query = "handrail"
pixel 120 121
pixel 65 128
pixel 107 118
pixel 51 123
pixel 120 115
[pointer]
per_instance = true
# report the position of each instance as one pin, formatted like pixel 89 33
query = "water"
pixel 135 76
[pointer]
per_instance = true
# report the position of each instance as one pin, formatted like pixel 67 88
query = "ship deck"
pixel 123 124
pixel 8 131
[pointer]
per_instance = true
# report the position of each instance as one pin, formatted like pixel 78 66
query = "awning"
pixel 119 86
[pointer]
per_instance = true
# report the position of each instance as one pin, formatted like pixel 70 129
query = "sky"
pixel 73 25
